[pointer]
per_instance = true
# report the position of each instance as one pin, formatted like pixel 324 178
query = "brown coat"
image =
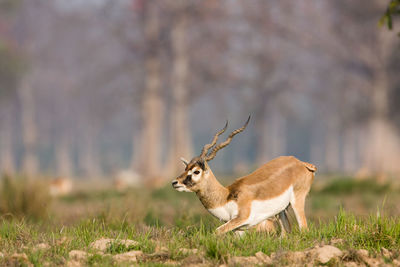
pixel 267 182
pixel 272 178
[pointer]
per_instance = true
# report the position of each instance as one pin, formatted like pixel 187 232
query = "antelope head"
pixel 197 172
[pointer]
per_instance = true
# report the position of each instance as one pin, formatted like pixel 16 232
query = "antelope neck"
pixel 213 194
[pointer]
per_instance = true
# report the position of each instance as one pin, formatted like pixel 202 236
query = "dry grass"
pixel 21 197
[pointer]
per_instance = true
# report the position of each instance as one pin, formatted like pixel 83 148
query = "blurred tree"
pixel 11 70
pixel 372 49
pixel 30 163
pixel 268 81
pixel 392 10
pixel 153 104
pixel 101 74
pixel 23 29
pixel 12 67
pixel 180 129
pixel 7 6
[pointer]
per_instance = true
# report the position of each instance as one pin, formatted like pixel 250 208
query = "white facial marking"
pixel 263 209
pixel 196 174
pixel 182 189
pixel 226 212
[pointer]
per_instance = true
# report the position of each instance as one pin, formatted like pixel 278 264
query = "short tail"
pixel 310 167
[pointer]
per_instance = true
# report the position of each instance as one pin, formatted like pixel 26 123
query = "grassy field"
pixel 172 228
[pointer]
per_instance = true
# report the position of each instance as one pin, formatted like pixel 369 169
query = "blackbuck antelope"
pixel 60 187
pixel 251 200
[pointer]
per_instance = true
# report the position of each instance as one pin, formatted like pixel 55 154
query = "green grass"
pixel 362 219
pixel 347 185
pixel 372 233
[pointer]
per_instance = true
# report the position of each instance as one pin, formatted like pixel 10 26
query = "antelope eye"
pixel 196 172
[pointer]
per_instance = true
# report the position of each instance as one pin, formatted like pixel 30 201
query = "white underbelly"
pixel 226 212
pixel 263 209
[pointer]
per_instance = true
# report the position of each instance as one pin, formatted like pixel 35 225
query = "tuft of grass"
pixel 36 258
pixel 146 243
pixel 117 248
pixel 99 260
pixel 21 197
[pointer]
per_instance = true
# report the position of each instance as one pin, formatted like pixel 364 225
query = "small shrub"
pixel 21 197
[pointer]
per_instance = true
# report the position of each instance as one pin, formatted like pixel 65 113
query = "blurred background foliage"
pixel 12 67
pixel 121 89
pixel 393 10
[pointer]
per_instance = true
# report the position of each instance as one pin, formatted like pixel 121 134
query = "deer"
pixel 60 187
pixel 252 200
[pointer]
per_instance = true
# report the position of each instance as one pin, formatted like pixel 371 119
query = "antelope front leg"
pixel 231 225
pixel 235 223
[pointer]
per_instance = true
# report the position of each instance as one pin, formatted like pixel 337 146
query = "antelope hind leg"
pixel 284 221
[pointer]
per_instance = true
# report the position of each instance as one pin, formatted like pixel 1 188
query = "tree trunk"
pixel 277 129
pixel 383 141
pixel 180 144
pixel 136 158
pixel 377 126
pixel 7 165
pixel 90 155
pixel 29 135
pixel 332 148
pixel 153 107
pixel 261 136
pixel 350 148
pixel 63 156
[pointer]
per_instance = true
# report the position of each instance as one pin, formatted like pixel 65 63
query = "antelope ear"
pixel 184 161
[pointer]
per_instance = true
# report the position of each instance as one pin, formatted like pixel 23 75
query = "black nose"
pixel 174 182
